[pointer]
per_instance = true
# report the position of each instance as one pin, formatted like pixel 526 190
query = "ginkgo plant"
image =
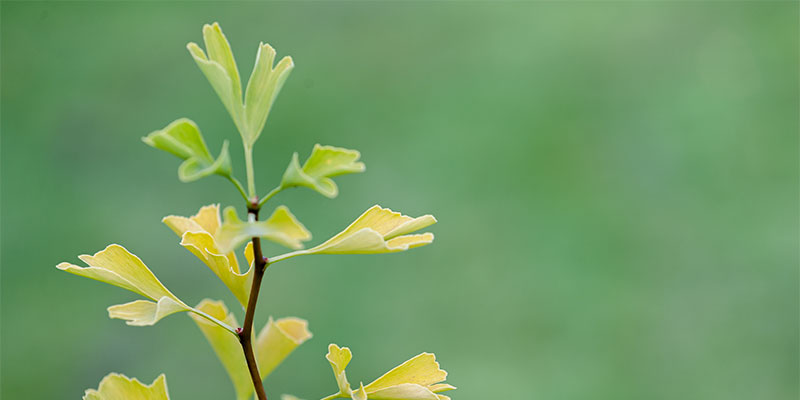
pixel 215 237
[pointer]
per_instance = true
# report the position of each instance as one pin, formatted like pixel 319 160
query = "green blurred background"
pixel 616 185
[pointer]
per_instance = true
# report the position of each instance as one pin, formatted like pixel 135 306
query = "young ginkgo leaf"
pixel 118 387
pixel 377 230
pixel 416 379
pixel 183 139
pixel 227 347
pixel 117 266
pixel 198 236
pixel 339 357
pixel 281 227
pixel 272 345
pixel 277 340
pixel 144 312
pixel 263 87
pixel 324 163
pixel 219 66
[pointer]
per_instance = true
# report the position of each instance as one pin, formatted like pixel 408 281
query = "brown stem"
pixel 246 332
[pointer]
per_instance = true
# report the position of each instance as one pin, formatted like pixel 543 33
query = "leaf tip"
pixel 64 266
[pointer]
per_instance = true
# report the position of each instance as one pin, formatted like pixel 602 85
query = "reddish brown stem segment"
pixel 246 332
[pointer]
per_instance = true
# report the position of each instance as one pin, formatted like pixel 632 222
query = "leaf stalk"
pixel 239 186
pixel 269 195
pixel 251 181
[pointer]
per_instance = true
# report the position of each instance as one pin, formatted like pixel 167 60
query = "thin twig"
pixel 246 332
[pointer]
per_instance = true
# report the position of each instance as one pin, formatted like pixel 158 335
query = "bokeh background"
pixel 616 185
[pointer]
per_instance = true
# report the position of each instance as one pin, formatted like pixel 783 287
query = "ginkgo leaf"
pixel 197 236
pixel 219 67
pixel 219 51
pixel 339 357
pixel 203 245
pixel 421 370
pixel 277 340
pixel 117 387
pixel 263 87
pixel 289 397
pixel 324 163
pixel 226 346
pixel 377 230
pixel 115 265
pixel 272 345
pixel 281 227
pixel 183 139
pixel 416 379
pixel 145 312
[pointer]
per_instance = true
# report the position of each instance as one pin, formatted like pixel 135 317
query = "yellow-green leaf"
pixel 219 51
pixel 277 340
pixel 118 387
pixel 377 230
pixel 324 163
pixel 219 67
pixel 416 379
pixel 183 139
pixel 198 236
pixel 263 87
pixel 225 345
pixel 272 345
pixel 339 357
pixel 281 227
pixel 117 266
pixel 145 312
pixel 203 246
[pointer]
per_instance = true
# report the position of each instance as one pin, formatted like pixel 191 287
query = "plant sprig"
pixel 214 238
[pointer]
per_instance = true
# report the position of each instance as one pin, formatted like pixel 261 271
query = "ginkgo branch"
pixel 246 332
